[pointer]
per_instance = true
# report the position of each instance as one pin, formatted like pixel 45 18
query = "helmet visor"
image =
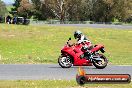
pixel 75 36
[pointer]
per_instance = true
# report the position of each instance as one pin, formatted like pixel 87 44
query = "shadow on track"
pixel 74 67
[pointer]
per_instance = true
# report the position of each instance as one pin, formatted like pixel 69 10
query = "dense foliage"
pixel 3 9
pixel 76 10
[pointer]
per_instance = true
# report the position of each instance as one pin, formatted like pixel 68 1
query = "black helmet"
pixel 77 34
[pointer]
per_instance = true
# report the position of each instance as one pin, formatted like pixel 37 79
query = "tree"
pixel 58 8
pixel 3 9
pixel 81 10
pixel 74 10
pixel 102 10
pixel 107 10
pixel 16 5
pixel 63 9
pixel 50 9
pixel 23 8
pixel 41 10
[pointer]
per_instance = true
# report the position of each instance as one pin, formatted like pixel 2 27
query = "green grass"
pixel 42 44
pixel 57 84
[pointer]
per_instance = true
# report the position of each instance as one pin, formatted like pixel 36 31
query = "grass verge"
pixel 56 84
pixel 42 44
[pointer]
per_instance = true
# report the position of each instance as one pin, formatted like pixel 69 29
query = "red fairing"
pixel 75 53
pixel 97 48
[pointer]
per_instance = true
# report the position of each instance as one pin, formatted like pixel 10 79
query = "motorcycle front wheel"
pixel 65 61
pixel 100 64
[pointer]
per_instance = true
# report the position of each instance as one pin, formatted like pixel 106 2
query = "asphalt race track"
pixel 96 26
pixel 54 71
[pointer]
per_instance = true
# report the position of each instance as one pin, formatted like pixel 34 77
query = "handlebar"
pixel 70 44
pixel 74 43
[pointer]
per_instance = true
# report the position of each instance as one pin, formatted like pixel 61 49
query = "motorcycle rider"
pixel 81 38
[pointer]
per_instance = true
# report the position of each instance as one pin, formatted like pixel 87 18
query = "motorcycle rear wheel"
pixel 65 61
pixel 101 64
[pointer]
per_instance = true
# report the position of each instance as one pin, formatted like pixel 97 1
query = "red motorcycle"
pixel 79 55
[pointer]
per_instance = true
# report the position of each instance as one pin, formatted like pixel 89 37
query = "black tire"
pixel 69 64
pixel 103 65
pixel 81 80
